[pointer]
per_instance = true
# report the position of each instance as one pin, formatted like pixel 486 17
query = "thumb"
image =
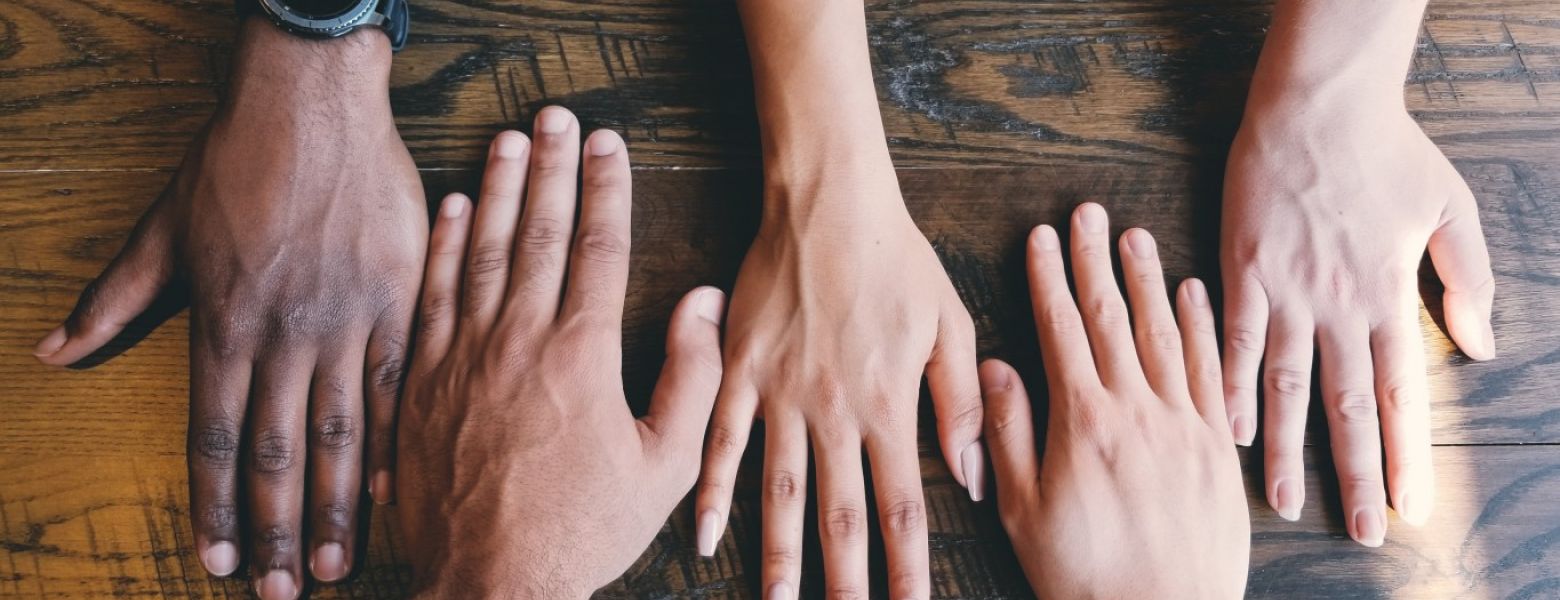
pixel 1463 264
pixel 680 406
pixel 124 290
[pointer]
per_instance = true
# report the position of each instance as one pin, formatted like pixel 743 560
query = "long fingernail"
pixel 778 590
pixel 553 120
pixel 379 488
pixel 1141 243
pixel 1243 429
pixel 709 532
pixel 709 304
pixel 277 585
pixel 974 462
pixel 329 562
pixel 603 143
pixel 1092 217
pixel 1370 527
pixel 1487 344
pixel 1287 499
pixel 51 343
pixel 220 559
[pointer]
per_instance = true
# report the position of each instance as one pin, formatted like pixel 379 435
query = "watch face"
pixel 320 9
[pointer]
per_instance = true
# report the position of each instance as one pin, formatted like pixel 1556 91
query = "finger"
pixel 1348 393
pixel 542 250
pixel 1463 263
pixel 336 428
pixel 1245 338
pixel 275 472
pixel 125 289
pixel 383 375
pixel 1403 393
pixel 1286 394
pixel 1104 312
pixel 955 385
pixel 598 272
pixel 1062 338
pixel 1195 316
pixel 493 235
pixel 441 281
pixel 680 406
pixel 219 388
pixel 896 477
pixel 784 500
pixel 1154 328
pixel 730 426
pixel 1010 431
pixel 842 512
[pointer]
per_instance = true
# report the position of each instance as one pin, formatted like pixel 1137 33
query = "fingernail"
pixel 1092 217
pixel 1369 527
pixel 51 343
pixel 329 562
pixel 778 590
pixel 1196 292
pixel 709 304
pixel 553 120
pixel 1045 239
pixel 510 144
pixel 603 143
pixel 709 532
pixel 454 206
pixel 1413 513
pixel 1141 243
pixel 1288 499
pixel 379 488
pixel 974 463
pixel 277 585
pixel 220 559
pixel 1487 345
pixel 994 379
pixel 1242 429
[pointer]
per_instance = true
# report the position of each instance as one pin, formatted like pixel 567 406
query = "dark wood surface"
pixel 1000 114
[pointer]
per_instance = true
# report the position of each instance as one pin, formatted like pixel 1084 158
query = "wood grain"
pixel 1000 115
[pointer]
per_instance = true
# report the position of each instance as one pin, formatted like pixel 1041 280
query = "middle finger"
pixel 842 511
pixel 275 472
pixel 1104 312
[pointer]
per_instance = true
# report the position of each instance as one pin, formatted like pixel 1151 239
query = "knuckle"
pixel 1288 384
pixel 1355 407
pixel 843 522
pixel 784 487
pixel 1397 396
pixel 216 442
pixel 1106 311
pixel 336 514
pixel 273 452
pixel 335 433
pixel 1007 427
pixel 277 538
pixel 903 517
pixel 723 442
pixel 487 261
pixel 1161 336
pixel 1059 317
pixel 1088 422
pixel 389 372
pixel 780 557
pixel 1244 338
pixel 968 415
pixel 216 517
pixel 845 591
pixel 597 244
pixel 540 232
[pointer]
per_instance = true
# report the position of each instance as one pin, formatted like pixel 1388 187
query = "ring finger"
pixel 784 504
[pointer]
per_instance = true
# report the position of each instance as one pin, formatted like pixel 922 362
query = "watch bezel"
pixel 361 13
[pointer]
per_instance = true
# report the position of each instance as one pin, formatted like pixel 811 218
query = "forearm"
pixel 1336 53
pixel 816 101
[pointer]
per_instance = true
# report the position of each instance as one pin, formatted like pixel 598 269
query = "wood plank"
pixel 125 84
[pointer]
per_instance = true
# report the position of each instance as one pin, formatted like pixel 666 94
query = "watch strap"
pixel 390 16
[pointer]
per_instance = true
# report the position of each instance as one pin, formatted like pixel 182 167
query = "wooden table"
pixel 1000 114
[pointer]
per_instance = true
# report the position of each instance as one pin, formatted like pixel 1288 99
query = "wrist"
pixel 481 576
pixel 276 68
pixel 1336 57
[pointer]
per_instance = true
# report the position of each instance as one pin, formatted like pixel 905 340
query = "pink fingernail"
pixel 708 532
pixel 510 144
pixel 329 562
pixel 1141 243
pixel 709 304
pixel 220 559
pixel 1196 292
pixel 454 206
pixel 1092 217
pixel 1370 527
pixel 778 590
pixel 51 343
pixel 1243 430
pixel 1287 499
pixel 603 143
pixel 1045 239
pixel 380 488
pixel 277 585
pixel 973 460
pixel 553 120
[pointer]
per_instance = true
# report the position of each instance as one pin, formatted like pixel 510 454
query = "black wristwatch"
pixel 333 18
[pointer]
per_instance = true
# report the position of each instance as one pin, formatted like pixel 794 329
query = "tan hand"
pixel 1139 495
pixel 523 472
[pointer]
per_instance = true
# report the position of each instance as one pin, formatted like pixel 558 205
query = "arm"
pixel 840 307
pixel 525 473
pixel 1331 198
pixel 1139 494
pixel 297 220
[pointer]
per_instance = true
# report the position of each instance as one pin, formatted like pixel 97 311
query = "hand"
pixel 1327 214
pixel 1140 493
pixel 838 309
pixel 298 222
pixel 523 473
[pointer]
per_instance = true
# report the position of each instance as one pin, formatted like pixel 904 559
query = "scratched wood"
pixel 1004 114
